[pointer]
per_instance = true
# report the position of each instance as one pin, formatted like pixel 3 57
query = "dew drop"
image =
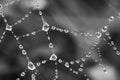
pixel 53 28
pixel 66 31
pixel 18 79
pixel 60 61
pixel 38 63
pixel 104 29
pixel 67 64
pixel 80 69
pixel 40 13
pixel 33 33
pixel 71 62
pixel 20 46
pixel 118 53
pixel 45 27
pixel 31 66
pixel 24 52
pixel 53 57
pixel 104 70
pixel 111 18
pixel 8 27
pixel 23 74
pixel 98 34
pixel 51 45
pixel 1 6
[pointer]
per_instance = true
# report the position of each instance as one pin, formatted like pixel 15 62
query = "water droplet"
pixel 60 61
pixel 71 62
pixel 104 70
pixel 98 34
pixel 31 66
pixel 20 46
pixel 89 54
pixel 8 27
pixel 80 69
pixel 23 74
pixel 118 53
pixel 40 13
pixel 1 6
pixel 83 59
pixel 51 45
pixel 53 28
pixel 67 64
pixel 45 27
pixel 66 31
pixel 24 52
pixel 18 79
pixel 33 33
pixel 38 63
pixel 26 15
pixel 33 76
pixel 104 29
pixel 53 57
pixel 77 61
pixel 19 21
pixel 111 18
pixel 44 61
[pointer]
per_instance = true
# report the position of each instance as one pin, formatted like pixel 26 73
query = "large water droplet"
pixel 53 57
pixel 8 27
pixel 31 66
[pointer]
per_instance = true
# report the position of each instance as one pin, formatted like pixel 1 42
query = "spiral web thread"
pixel 54 58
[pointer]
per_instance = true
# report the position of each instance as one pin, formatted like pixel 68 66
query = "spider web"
pixel 33 67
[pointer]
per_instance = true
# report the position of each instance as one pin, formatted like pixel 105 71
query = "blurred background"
pixel 87 16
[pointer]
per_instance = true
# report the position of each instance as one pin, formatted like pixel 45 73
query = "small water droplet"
pixel 111 18
pixel 104 29
pixel 60 61
pixel 98 34
pixel 53 28
pixel 24 52
pixel 118 53
pixel 8 27
pixel 1 6
pixel 51 45
pixel 33 33
pixel 18 79
pixel 45 27
pixel 23 74
pixel 66 31
pixel 67 64
pixel 40 13
pixel 104 70
pixel 38 63
pixel 31 66
pixel 53 57
pixel 19 21
pixel 26 15
pixel 80 69
pixel 20 46
pixel 71 62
